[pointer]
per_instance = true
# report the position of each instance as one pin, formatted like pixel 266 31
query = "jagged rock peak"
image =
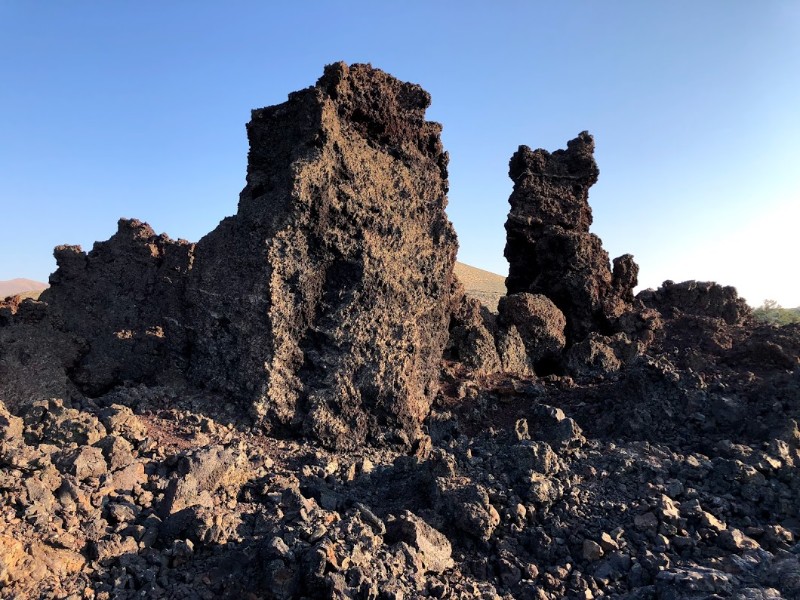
pixel 549 247
pixel 552 188
pixel 324 303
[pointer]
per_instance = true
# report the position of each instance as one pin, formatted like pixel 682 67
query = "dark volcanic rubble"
pixel 307 404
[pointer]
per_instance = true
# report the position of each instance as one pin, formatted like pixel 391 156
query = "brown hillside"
pixel 486 286
pixel 13 287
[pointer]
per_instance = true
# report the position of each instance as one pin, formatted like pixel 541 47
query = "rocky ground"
pixel 664 482
pixel 306 404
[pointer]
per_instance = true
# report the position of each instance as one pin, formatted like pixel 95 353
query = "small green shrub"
pixel 773 313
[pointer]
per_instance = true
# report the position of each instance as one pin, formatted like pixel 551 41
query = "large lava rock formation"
pixel 306 403
pixel 322 305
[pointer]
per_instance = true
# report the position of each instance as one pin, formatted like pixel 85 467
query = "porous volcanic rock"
pixel 323 303
pixel 472 334
pixel 549 248
pixel 34 356
pixel 539 322
pixel 699 298
pixel 123 301
pixel 322 306
pixel 655 466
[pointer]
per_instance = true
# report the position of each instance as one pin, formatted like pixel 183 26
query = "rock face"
pixel 472 336
pixel 539 322
pixel 323 305
pixel 549 248
pixel 324 302
pixel 124 301
pixel 656 456
pixel 699 298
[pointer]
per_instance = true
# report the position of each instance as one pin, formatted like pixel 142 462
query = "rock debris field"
pixel 306 404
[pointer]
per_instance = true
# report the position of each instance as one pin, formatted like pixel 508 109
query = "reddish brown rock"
pixel 323 304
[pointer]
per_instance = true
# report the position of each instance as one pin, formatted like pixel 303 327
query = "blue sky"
pixel 137 109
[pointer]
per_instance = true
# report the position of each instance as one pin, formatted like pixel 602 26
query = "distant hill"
pixel 12 287
pixel 483 285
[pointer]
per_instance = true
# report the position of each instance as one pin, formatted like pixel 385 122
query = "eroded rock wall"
pixel 324 301
pixel 123 301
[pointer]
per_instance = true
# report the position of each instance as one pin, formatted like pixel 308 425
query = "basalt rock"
pixel 123 301
pixel 624 473
pixel 699 298
pixel 323 304
pixel 472 334
pixel 35 357
pixel 539 323
pixel 549 248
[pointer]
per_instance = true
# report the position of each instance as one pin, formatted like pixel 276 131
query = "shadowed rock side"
pixel 565 304
pixel 323 302
pixel 549 248
pixel 702 298
pixel 123 301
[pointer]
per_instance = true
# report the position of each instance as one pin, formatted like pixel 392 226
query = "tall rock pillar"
pixel 323 303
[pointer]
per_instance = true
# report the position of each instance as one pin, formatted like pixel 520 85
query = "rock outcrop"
pixel 124 301
pixel 324 302
pixel 322 306
pixel 699 298
pixel 655 455
pixel 539 323
pixel 549 248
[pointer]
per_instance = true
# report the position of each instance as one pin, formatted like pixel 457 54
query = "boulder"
pixel 433 547
pixel 539 322
pixel 472 340
pixel 698 298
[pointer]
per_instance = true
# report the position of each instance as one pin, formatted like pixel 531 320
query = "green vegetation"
pixel 772 312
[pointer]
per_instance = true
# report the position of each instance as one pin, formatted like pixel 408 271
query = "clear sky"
pixel 137 109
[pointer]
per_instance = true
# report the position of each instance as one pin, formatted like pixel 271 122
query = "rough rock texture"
pixel 663 466
pixel 549 248
pixel 699 298
pixel 123 301
pixel 322 305
pixel 472 334
pixel 324 302
pixel 35 357
pixel 539 322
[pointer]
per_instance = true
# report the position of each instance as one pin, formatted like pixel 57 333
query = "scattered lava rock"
pixel 277 411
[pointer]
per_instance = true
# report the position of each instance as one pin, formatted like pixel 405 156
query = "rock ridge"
pixel 307 404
